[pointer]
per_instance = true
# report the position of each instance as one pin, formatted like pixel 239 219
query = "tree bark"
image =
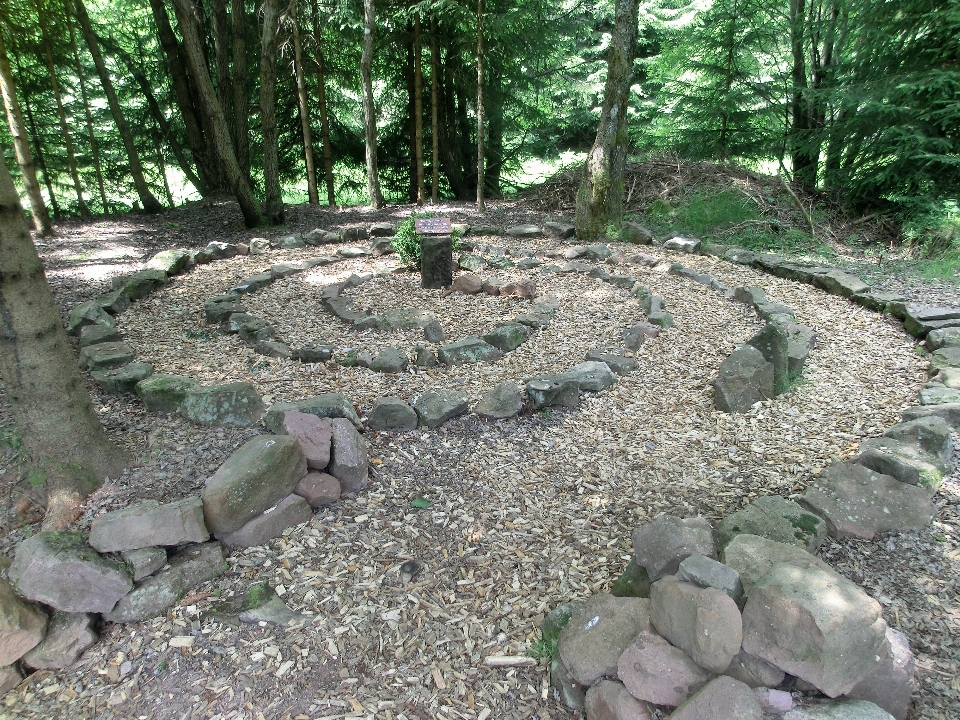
pixel 273 208
pixel 803 156
pixel 369 110
pixel 434 114
pixel 158 144
pixel 239 121
pixel 34 134
pixel 209 174
pixel 600 197
pixel 62 438
pixel 418 108
pixel 220 135
pixel 493 160
pixel 147 199
pixel 61 113
pixel 222 39
pixel 481 205
pixel 21 144
pixel 94 145
pixel 450 146
pixel 322 100
pixel 304 109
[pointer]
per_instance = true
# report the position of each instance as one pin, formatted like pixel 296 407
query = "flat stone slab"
pixel 469 350
pixel 60 570
pixel 235 404
pixel 435 407
pixel 904 461
pixel 620 364
pixel 774 518
pixel 843 709
pixel 149 524
pixel 709 573
pixel 122 379
pixel 164 393
pixel 68 635
pixel 254 478
pixel 158 593
pixel 663 543
pixel 503 400
pixel 292 510
pixel 105 356
pixel 327 405
pixel 858 502
pixel 752 557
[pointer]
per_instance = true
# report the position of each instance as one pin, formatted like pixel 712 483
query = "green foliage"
pixel 406 244
pixel 544 650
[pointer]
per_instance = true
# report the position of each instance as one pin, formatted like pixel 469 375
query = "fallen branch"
pixel 510 661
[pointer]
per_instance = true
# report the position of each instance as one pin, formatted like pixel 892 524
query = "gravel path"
pixel 524 514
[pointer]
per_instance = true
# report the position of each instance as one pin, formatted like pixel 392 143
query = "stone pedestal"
pixel 436 261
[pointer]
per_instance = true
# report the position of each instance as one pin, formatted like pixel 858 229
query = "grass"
pixel 544 650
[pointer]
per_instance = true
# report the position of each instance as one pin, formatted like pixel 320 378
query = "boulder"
pixel 292 510
pixel 945 337
pixel 559 230
pixel 931 434
pixel 191 566
pixel 945 357
pixel 633 582
pixel 288 242
pixel 235 404
pixel 468 284
pixel 312 433
pixel 406 318
pixel 258 246
pixel 353 252
pixel 654 671
pixel 221 250
pixel 526 289
pixel 327 405
pixel 149 524
pixel 10 677
pixel 636 234
pixel 231 326
pixel 682 244
pixel 22 625
pixel 548 390
pixel 433 332
pixel 318 489
pixel 706 572
pixel 424 357
pixel 752 557
pixel 622 281
pixel 571 693
pixel 140 284
pixel 503 400
pixel 312 353
pixel 892 682
pixel 772 343
pixel 662 544
pixel 816 625
pixel 843 709
pixel 390 413
pixel 597 252
pixel 904 461
pixel 620 364
pixel 939 395
pixel 282 270
pixel 348 456
pixel 591 375
pixel 573 252
pixel 171 261
pixel 343 308
pixel 219 307
pixel 256 330
pixel 390 360
pixel 471 262
pixel 96 334
pixel 435 407
pixel 876 300
pixel 383 229
pixel 703 622
pixel 122 379
pixel 528 263
pixel 257 476
pixel 114 302
pixel 722 697
pixel 60 570
pixel 524 231
pixel 639 333
pixel 164 393
pixel 753 671
pixel 744 378
pixel 610 700
pixel 469 350
pixel 858 502
pixel 105 356
pixel 750 295
pixel 800 341
pixel 597 634
pixel 774 518
pixel 319 236
pixel 920 320
pixel 949 412
pixel 144 561
pixel 68 635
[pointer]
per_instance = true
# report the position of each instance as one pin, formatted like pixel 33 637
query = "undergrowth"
pixel 406 243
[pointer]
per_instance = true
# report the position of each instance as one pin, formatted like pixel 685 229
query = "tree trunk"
pixel 369 111
pixel 61 113
pixel 62 437
pixel 158 144
pixel 322 99
pixel 411 122
pixel 220 134
pixel 34 134
pixel 147 199
pixel 600 197
pixel 481 205
pixel 464 135
pixel 239 120
pixel 494 146
pixel 434 114
pixel 803 155
pixel 268 119
pixel 452 158
pixel 211 178
pixel 21 144
pixel 418 109
pixel 304 109
pixel 221 48
pixel 94 145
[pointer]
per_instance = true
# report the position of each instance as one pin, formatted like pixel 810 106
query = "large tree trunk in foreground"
pixel 217 122
pixel 369 112
pixel 600 197
pixel 268 117
pixel 240 125
pixel 63 440
pixel 147 199
pixel 21 144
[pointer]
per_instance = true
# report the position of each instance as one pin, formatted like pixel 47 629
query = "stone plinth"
pixel 436 261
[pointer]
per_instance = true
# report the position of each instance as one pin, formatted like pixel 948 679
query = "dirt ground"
pixel 524 514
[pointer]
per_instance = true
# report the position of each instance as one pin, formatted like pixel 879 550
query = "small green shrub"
pixel 544 650
pixel 407 245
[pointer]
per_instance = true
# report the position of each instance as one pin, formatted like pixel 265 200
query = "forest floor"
pixel 524 514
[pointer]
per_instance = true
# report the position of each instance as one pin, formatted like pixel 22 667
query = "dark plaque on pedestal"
pixel 436 261
pixel 433 226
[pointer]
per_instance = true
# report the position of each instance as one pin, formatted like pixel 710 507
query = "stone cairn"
pixel 679 629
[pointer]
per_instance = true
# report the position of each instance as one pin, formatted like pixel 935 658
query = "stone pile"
pixel 698 638
pixel 137 562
